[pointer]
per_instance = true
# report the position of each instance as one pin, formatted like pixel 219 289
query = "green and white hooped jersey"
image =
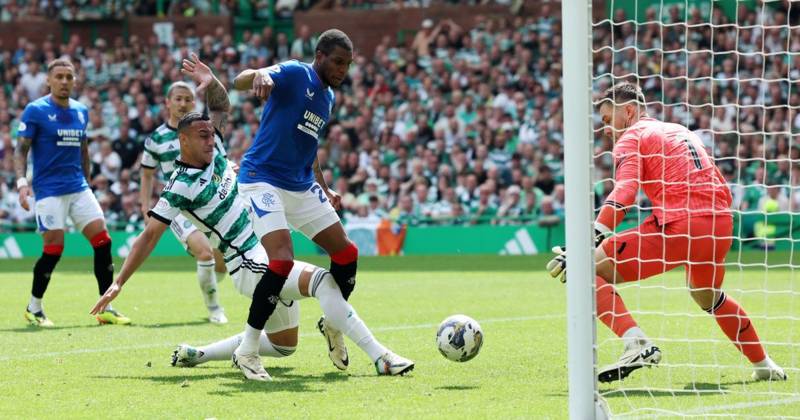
pixel 162 148
pixel 209 198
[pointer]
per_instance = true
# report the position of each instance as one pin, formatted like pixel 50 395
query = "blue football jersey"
pixel 294 116
pixel 57 134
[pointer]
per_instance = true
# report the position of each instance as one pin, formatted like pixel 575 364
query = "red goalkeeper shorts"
pixel 698 243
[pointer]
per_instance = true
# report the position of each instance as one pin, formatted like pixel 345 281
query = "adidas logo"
pixel 520 244
pixel 10 249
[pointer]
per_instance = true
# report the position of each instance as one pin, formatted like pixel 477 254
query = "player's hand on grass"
pixel 107 297
pixel 199 72
pixel 262 84
pixel 558 265
pixel 24 193
pixel 335 198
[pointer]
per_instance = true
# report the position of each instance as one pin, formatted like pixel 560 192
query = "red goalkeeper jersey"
pixel 673 169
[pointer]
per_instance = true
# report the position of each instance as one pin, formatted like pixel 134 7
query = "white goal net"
pixel 730 72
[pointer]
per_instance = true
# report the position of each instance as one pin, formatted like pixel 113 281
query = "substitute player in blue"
pixel 280 175
pixel 54 127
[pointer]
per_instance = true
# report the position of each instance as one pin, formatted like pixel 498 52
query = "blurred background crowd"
pixel 458 124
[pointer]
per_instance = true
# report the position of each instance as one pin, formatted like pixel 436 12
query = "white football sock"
pixel 250 340
pixel 223 349
pixel 207 279
pixel 343 317
pixel 35 305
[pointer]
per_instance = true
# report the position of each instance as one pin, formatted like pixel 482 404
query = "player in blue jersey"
pixel 54 127
pixel 280 175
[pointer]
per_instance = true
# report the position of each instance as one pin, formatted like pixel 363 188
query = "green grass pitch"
pixel 82 370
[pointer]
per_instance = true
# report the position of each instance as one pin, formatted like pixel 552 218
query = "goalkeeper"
pixel 691 226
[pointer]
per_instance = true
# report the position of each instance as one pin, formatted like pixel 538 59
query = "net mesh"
pixel 730 72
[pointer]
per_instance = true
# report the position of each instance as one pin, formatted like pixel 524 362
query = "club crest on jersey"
pixel 51 117
pixel 309 94
pixel 21 126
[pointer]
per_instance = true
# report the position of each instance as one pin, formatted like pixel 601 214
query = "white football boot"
pixel 638 353
pixel 767 370
pixel 217 316
pixel 392 364
pixel 337 351
pixel 185 356
pixel 250 365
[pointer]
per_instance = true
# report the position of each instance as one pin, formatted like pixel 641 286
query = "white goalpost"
pixel 729 71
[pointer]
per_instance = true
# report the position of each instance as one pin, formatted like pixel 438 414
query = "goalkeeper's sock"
pixel 207 279
pixel 344 318
pixel 735 323
pixel 223 349
pixel 611 310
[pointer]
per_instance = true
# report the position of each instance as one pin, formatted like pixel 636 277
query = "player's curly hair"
pixel 331 39
pixel 622 94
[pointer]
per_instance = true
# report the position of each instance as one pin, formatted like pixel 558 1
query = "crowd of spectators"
pixel 83 10
pixel 462 126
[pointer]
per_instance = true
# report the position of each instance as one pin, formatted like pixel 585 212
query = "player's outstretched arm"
pixel 141 249
pixel 21 169
pixel 258 80
pixel 209 86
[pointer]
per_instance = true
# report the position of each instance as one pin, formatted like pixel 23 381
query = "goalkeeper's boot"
pixel 38 319
pixel 638 353
pixel 767 370
pixel 110 316
pixel 185 356
pixel 250 365
pixel 337 351
pixel 392 364
pixel 217 316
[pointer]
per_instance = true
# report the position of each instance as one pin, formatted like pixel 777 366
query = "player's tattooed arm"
pixel 218 105
pixel 209 86
pixel 21 156
pixel 86 161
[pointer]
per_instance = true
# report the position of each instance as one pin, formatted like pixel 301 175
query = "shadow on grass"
pixel 230 382
pixel 174 324
pixel 689 390
pixel 457 387
pixel 33 329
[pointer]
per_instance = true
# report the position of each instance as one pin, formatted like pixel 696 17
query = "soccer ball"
pixel 459 338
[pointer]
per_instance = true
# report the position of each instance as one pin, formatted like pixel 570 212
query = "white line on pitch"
pixel 308 334
pixel 741 405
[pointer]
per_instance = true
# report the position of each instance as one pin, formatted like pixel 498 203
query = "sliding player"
pixel 204 189
pixel 691 227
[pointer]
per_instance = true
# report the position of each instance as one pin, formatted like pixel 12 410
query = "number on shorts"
pixel 316 188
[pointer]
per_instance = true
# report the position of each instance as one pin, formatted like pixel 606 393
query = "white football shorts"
pixel 309 212
pixel 52 212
